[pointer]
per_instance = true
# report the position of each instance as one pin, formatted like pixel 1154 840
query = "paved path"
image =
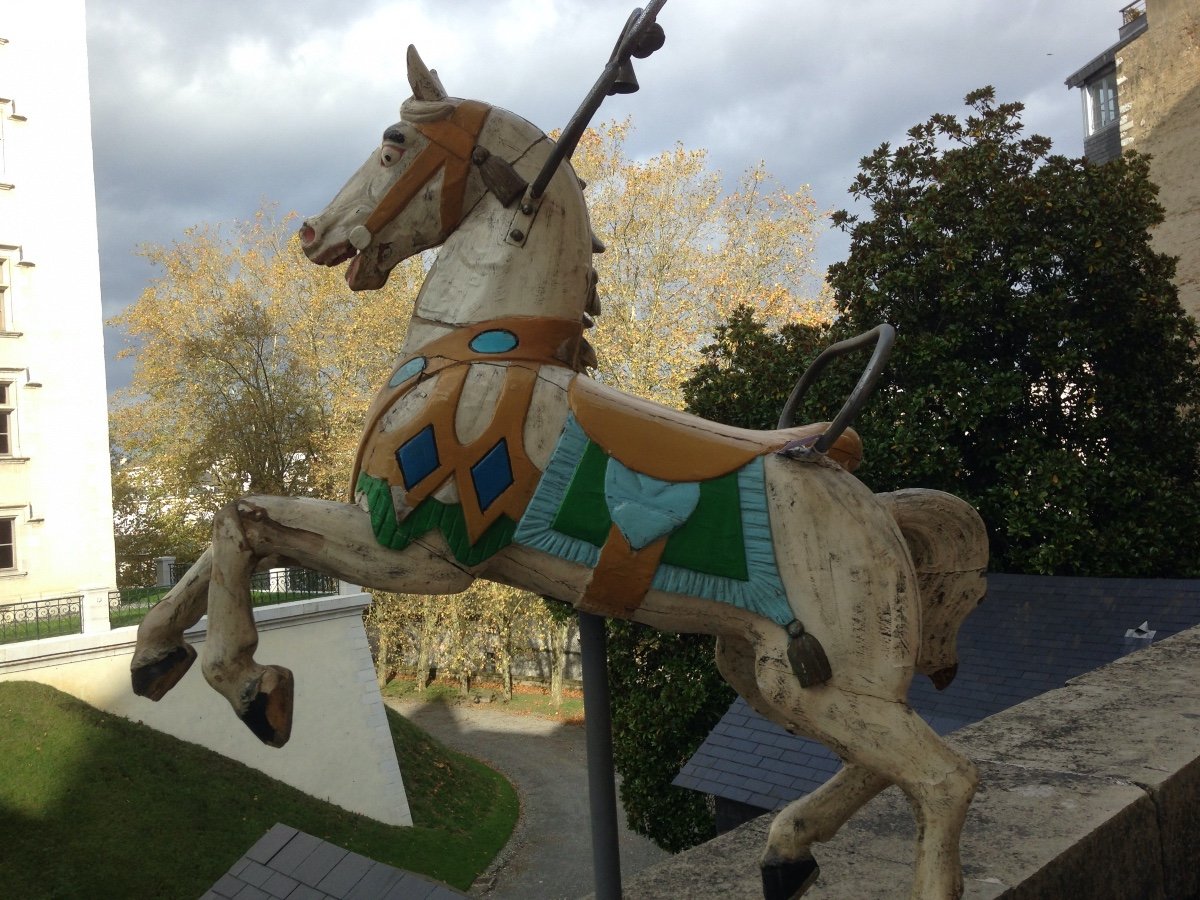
pixel 550 854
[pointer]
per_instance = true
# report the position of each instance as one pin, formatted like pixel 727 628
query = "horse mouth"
pixel 335 255
pixel 359 275
pixel 367 271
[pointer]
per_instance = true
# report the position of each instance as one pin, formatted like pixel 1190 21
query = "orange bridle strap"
pixel 450 144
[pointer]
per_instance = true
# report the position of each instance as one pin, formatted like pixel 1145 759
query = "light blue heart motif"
pixel 646 508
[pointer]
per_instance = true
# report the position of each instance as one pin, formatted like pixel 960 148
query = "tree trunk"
pixel 560 641
pixel 505 660
pixel 425 654
pixel 381 663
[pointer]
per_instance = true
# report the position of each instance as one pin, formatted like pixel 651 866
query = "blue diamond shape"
pixel 492 475
pixel 418 457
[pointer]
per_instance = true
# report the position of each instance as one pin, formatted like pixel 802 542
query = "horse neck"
pixel 480 275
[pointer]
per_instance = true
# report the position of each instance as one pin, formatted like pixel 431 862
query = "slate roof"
pixel 286 863
pixel 1030 635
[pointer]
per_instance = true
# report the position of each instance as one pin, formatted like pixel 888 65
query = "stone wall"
pixel 340 749
pixel 1089 791
pixel 1158 78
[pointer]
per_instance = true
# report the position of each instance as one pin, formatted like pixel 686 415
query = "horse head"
pixel 431 170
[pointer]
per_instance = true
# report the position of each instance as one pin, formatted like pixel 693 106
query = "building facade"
pixel 56 521
pixel 1143 93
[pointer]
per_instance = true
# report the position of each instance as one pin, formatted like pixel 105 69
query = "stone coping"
pixel 1091 790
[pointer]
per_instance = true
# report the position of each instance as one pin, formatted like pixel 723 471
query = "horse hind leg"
pixel 162 657
pixel 788 866
pixel 883 742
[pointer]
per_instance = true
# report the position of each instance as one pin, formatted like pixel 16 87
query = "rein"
pixel 451 143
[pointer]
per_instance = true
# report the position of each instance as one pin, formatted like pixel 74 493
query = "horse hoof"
pixel 788 879
pixel 269 712
pixel 155 678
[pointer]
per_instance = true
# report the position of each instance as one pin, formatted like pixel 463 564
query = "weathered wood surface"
pixel 610 504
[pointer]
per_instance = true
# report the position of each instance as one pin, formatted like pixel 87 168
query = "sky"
pixel 204 110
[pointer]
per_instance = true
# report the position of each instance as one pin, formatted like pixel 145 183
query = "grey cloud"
pixel 186 129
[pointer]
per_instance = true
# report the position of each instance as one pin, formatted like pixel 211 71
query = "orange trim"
pixel 671 445
pixel 622 576
pixel 427 164
pixel 540 341
pixel 450 144
pixel 508 422
pixel 455 459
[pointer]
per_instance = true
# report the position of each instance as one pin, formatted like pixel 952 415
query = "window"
pixel 8 544
pixel 1100 102
pixel 7 419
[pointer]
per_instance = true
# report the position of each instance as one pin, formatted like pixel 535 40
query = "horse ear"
pixel 424 81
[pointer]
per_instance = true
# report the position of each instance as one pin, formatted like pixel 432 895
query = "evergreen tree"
pixel 1044 370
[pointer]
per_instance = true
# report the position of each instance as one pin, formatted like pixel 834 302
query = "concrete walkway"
pixel 550 854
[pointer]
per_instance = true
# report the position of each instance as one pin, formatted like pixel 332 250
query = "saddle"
pixel 670 445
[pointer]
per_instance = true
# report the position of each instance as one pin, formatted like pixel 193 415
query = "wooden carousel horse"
pixel 490 454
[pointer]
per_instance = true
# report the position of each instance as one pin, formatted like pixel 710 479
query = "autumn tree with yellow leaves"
pixel 252 367
pixel 683 253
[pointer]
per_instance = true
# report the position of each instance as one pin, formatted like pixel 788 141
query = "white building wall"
pixel 54 480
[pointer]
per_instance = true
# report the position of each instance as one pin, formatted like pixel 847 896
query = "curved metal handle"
pixel 883 336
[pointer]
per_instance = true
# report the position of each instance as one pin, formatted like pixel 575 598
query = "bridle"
pixel 451 150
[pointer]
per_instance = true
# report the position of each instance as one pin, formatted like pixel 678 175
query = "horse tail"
pixel 948 544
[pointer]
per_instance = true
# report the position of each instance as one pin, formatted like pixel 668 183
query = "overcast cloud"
pixel 203 109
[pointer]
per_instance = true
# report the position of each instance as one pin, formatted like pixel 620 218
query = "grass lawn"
pixel 529 700
pixel 94 805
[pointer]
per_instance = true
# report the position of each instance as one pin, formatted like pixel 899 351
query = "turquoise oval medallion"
pixel 407 371
pixel 498 341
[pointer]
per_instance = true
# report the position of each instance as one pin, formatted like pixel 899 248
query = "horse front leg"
pixel 260 695
pixel 162 656
pixel 788 866
pixel 335 538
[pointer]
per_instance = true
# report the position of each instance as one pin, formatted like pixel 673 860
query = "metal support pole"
pixel 602 784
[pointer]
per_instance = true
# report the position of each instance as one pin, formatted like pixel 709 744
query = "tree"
pixel 1044 368
pixel 149 523
pixel 253 367
pixel 683 254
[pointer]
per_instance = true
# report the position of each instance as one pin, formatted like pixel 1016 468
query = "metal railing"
pixel 31 620
pixel 1133 11
pixel 178 570
pixel 285 585
pixel 128 606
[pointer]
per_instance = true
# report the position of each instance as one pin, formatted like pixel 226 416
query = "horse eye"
pixel 390 154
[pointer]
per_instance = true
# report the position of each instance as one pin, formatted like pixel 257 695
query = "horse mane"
pixel 424 111
pixel 421 111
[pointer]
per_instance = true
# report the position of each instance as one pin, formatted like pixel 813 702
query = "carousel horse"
pixel 489 453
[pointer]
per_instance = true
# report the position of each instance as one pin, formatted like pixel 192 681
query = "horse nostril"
pixel 307 234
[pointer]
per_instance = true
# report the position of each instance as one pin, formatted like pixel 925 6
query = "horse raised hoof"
pixel 269 711
pixel 153 679
pixel 788 879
